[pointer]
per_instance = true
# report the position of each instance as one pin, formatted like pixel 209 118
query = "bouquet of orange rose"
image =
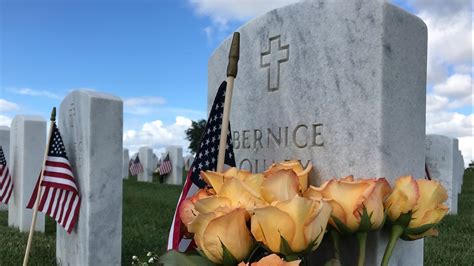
pixel 275 218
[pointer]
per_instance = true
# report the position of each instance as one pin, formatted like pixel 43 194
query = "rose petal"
pixel 269 223
pixel 198 227
pixel 210 204
pixel 280 185
pixel 231 230
pixel 213 179
pixel 274 260
pixel 429 208
pixel 403 198
pixel 187 211
pixel 348 195
pixel 374 201
pixel 308 223
pixel 240 195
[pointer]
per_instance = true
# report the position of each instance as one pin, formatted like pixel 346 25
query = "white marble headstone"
pixel 339 83
pixel 125 164
pixel 91 127
pixel 188 161
pixel 27 146
pixel 441 164
pixel 5 144
pixel 149 162
pixel 176 158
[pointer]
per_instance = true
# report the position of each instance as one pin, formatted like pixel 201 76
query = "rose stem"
pixel 362 239
pixel 396 232
pixel 336 241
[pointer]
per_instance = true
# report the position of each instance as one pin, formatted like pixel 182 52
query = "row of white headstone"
pixel 91 127
pixel 149 162
pixel 445 162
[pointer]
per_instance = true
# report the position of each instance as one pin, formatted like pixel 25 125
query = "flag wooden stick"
pixel 231 74
pixel 38 194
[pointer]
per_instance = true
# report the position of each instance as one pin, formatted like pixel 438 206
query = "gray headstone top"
pixel 331 82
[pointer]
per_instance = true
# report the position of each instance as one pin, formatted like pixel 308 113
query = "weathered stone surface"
pixel 188 161
pixel 176 158
pixel 338 83
pixel 5 144
pixel 27 145
pixel 149 162
pixel 440 160
pixel 125 164
pixel 91 127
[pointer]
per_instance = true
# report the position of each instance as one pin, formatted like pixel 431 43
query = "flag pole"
pixel 38 194
pixel 231 74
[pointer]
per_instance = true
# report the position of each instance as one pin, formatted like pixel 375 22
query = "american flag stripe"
pixel 6 182
pixel 59 196
pixel 165 167
pixel 136 167
pixel 206 159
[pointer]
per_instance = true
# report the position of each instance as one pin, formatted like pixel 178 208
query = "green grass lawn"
pixel 148 210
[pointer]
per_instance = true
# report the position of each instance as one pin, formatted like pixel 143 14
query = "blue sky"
pixel 144 48
pixel 153 54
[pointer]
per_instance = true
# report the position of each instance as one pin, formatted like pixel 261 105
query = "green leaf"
pixel 285 248
pixel 227 257
pixel 342 227
pixel 419 230
pixel 404 219
pixel 174 258
pixel 365 223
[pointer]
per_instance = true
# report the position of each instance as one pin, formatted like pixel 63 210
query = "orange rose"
pixel 296 167
pixel 272 260
pixel 422 200
pixel 357 204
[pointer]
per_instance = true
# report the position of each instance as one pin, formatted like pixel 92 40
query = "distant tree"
pixel 194 134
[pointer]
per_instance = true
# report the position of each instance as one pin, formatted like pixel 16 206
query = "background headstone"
pixel 5 144
pixel 176 158
pixel 339 83
pixel 91 127
pixel 27 146
pixel 125 164
pixel 440 160
pixel 148 161
pixel 188 161
pixel 460 169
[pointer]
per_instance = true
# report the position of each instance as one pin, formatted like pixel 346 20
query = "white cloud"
pixel 436 103
pixel 5 120
pixel 31 92
pixel 449 41
pixel 451 124
pixel 6 106
pixel 158 135
pixel 221 12
pixel 466 146
pixel 144 101
pixel 457 85
pixel 440 7
pixel 142 105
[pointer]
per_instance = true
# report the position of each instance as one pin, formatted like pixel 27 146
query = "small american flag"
pixel 59 196
pixel 165 166
pixel 136 167
pixel 6 182
pixel 206 159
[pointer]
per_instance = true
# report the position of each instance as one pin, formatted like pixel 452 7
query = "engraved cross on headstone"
pixel 272 59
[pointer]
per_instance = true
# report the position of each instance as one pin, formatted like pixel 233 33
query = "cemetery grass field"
pixel 148 209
